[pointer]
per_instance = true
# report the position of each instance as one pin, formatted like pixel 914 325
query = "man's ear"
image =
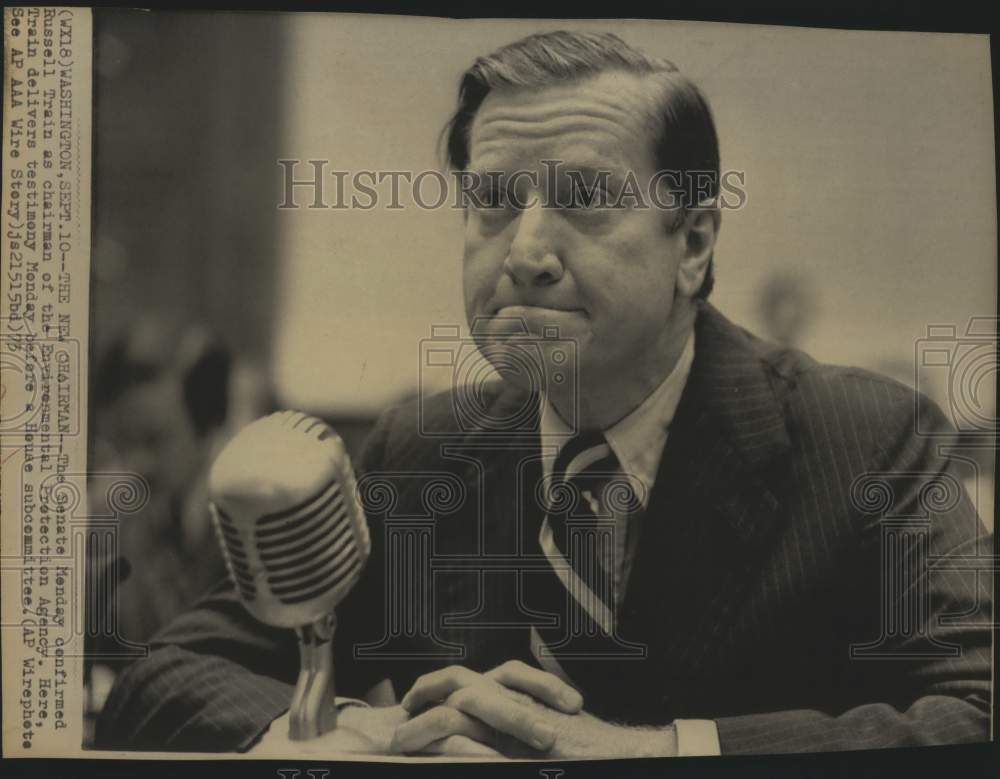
pixel 701 229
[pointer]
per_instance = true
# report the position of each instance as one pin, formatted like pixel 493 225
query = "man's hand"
pixel 360 730
pixel 517 711
pixel 488 709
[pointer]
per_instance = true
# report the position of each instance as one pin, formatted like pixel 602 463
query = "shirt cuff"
pixel 342 702
pixel 697 738
pixel 268 735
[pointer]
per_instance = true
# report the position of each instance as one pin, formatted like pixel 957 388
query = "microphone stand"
pixel 313 711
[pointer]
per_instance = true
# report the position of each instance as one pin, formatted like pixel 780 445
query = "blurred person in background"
pixel 162 405
pixel 788 307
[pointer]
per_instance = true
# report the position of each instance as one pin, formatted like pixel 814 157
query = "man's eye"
pixel 493 198
pixel 584 198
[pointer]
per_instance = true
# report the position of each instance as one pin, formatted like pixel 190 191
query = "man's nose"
pixel 532 259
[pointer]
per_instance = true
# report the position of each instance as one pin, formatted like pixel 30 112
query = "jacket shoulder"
pixel 848 404
pixel 414 432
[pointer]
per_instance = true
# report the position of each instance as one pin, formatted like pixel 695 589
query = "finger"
pixel 525 722
pixel 438 685
pixel 436 724
pixel 460 745
pixel 545 687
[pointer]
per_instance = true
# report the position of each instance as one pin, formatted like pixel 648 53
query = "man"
pixel 161 405
pixel 161 394
pixel 732 600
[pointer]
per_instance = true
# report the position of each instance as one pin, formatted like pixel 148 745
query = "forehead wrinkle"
pixel 576 105
pixel 561 126
pixel 606 86
pixel 579 149
pixel 501 119
pixel 611 93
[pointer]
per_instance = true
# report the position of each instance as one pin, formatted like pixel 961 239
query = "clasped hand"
pixel 512 711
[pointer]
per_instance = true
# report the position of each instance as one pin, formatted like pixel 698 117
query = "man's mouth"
pixel 521 309
pixel 533 321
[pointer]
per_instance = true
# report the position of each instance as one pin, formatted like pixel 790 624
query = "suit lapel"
pixel 511 467
pixel 710 512
pixel 496 523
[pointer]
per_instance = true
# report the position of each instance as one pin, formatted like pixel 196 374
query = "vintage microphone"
pixel 284 504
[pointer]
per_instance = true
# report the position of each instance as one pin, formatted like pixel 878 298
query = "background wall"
pixel 187 125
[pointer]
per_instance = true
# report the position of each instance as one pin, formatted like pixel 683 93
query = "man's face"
pixel 151 434
pixel 604 276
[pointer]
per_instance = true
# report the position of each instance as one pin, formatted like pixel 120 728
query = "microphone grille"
pixel 235 553
pixel 287 514
pixel 310 549
pixel 309 425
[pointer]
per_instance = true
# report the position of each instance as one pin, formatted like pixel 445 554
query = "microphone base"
pixel 314 711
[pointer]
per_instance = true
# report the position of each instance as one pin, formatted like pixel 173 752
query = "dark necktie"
pixel 577 537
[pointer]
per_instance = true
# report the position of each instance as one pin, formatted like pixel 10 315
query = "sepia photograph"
pixel 519 390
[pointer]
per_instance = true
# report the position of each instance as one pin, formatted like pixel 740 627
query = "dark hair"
pixel 685 139
pixel 203 374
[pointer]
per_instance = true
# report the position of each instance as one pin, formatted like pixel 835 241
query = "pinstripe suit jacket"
pixel 774 589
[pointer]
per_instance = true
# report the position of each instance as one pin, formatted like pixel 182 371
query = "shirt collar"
pixel 638 438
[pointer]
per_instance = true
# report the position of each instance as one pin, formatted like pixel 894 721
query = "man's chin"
pixel 519 377
pixel 553 384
